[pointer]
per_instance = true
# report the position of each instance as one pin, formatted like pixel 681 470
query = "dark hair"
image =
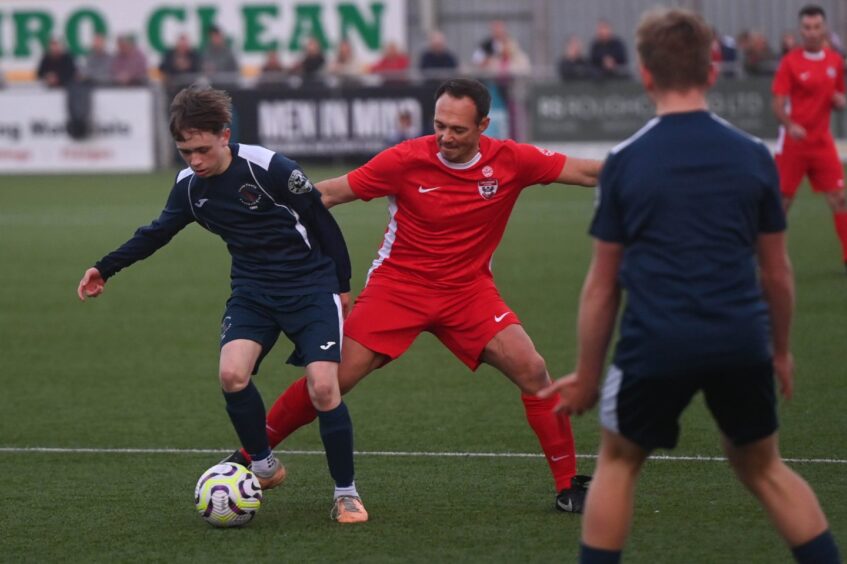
pixel 811 10
pixel 200 108
pixel 675 46
pixel 467 88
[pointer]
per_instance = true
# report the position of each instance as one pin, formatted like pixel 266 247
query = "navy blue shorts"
pixel 646 411
pixel 312 322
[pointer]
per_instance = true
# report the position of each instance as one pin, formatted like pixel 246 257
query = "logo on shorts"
pixel 298 183
pixel 327 346
pixel 250 196
pixel 487 188
pixel 487 171
pixel 225 325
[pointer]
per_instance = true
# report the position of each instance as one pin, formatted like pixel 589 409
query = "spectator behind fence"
pixel 573 64
pixel 273 71
pixel 759 58
pixel 129 65
pixel 345 66
pixel 404 129
pixel 312 64
pixel 608 52
pixel 98 62
pixel 437 57
pixel 486 55
pixel 218 61
pixel 57 68
pixel 787 42
pixel 180 65
pixel 393 65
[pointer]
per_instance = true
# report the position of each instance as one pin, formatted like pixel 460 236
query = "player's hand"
pixel 345 304
pixel 797 131
pixel 839 101
pixel 91 285
pixel 577 395
pixel 783 365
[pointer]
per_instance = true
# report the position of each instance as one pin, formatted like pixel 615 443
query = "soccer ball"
pixel 227 495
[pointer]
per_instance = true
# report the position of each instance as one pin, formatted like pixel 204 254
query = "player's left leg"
pixel 611 498
pixel 336 430
pixel 513 353
pixel 826 175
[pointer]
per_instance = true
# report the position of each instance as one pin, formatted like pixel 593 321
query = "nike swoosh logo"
pixel 327 345
pixel 423 190
pixel 558 458
pixel 199 203
pixel 499 318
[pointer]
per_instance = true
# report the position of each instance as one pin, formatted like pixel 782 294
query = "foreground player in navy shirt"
pixel 690 224
pixel 290 273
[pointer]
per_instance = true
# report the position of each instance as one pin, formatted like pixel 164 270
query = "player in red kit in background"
pixel 808 84
pixel 449 199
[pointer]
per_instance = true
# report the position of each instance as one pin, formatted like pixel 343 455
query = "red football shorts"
pixel 388 316
pixel 817 160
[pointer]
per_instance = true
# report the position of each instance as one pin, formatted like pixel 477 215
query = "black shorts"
pixel 313 322
pixel 646 411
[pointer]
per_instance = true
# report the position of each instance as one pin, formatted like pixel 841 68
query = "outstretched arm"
pixel 581 172
pixel 335 191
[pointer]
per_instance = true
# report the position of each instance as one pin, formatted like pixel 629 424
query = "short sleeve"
pixel 537 165
pixel 378 177
pixel 782 80
pixel 771 211
pixel 608 222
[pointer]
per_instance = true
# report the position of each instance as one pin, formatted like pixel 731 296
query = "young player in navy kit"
pixel 290 273
pixel 690 223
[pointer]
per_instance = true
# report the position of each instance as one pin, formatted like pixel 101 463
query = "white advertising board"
pixel 34 138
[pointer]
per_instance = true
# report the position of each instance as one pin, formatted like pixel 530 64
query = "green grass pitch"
pixel 136 369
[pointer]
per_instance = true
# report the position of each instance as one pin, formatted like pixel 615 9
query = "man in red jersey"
pixel 449 199
pixel 811 80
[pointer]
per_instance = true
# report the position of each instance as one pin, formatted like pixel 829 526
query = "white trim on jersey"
pixel 256 154
pixel 609 399
pixel 818 56
pixel 780 141
pixel 337 299
pixel 459 166
pixel 183 173
pixel 644 129
pixel 297 225
pixel 388 240
pixel 729 125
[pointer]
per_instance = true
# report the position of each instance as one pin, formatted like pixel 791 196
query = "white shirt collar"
pixel 819 56
pixel 459 166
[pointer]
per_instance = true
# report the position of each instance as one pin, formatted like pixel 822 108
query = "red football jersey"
pixel 809 80
pixel 446 219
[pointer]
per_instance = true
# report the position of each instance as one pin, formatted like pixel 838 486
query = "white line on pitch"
pixel 63 450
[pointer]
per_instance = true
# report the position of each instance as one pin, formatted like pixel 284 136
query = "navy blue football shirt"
pixel 687 197
pixel 283 241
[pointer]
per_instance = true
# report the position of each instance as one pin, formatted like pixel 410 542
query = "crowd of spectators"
pixel 499 54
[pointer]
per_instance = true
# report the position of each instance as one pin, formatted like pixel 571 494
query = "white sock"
pixel 265 467
pixel 348 491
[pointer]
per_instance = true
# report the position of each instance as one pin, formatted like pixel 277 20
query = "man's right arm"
pixel 336 191
pixel 777 282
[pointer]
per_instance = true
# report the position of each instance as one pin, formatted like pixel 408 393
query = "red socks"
pixel 292 410
pixel 841 228
pixel 555 435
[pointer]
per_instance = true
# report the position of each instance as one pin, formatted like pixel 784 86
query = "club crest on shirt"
pixel 487 171
pixel 487 188
pixel 830 72
pixel 250 196
pixel 298 183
